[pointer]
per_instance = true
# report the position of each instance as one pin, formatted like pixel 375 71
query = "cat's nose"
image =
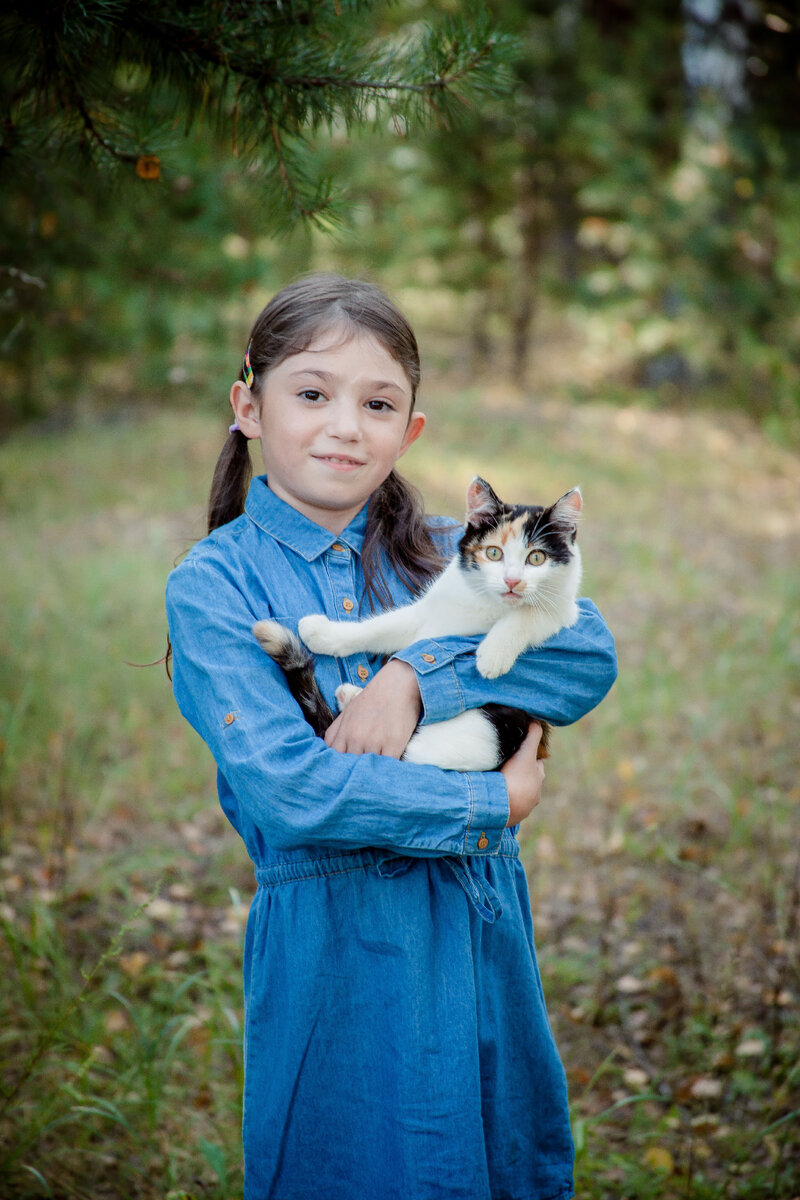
pixel 511 582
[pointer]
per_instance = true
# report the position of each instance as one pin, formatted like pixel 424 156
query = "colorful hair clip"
pixel 247 370
pixel 234 428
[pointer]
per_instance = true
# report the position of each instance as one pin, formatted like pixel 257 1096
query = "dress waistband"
pixel 479 891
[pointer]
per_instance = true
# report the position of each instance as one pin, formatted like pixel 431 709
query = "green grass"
pixel 663 861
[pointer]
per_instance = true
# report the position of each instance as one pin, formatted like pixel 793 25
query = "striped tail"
pixel 297 664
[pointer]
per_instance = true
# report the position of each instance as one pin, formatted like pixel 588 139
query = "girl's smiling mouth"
pixel 340 462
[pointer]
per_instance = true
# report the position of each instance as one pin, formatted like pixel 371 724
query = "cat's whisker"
pixel 545 602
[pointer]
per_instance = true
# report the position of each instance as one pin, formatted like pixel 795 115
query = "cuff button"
pixel 483 842
pixel 428 658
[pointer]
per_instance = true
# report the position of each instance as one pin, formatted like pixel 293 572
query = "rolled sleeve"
pixel 437 678
pixel 489 816
pixel 559 681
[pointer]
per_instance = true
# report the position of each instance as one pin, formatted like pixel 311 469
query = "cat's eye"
pixel 493 553
pixel 537 557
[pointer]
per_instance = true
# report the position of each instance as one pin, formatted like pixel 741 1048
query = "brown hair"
pixel 397 530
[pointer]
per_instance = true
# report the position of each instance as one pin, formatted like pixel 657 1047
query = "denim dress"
pixel 397 1043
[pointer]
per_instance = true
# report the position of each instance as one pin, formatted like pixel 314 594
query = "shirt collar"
pixel 294 530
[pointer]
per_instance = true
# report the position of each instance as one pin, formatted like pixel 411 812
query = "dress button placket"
pixel 341 572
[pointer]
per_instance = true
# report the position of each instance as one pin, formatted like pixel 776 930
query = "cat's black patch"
pixel 511 725
pixel 297 665
pixel 305 689
pixel 475 531
pixel 543 529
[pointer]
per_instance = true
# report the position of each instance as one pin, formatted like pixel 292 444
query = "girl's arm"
pixel 559 681
pixel 291 788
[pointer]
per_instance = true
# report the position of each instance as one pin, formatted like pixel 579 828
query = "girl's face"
pixel 332 420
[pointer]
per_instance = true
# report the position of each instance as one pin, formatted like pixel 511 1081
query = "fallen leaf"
pixel 629 985
pixel 705 1088
pixel 750 1048
pixel 116 1020
pixel 659 1159
pixel 635 1078
pixel 626 769
pixel 162 910
pixel 134 963
pixel 704 1124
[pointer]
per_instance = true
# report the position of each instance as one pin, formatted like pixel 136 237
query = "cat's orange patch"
pixel 509 531
pixel 512 530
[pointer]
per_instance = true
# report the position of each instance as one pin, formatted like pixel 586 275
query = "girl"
pixel 396 1038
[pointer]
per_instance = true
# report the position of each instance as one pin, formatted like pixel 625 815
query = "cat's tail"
pixel 297 664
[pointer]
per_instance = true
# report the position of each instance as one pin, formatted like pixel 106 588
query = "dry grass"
pixel 663 862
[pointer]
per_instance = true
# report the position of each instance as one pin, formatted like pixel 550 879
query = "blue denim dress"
pixel 396 1039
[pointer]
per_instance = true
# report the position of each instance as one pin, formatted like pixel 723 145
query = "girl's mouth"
pixel 339 462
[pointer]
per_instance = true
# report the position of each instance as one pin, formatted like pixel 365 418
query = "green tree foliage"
pixel 124 124
pixel 638 185
pixel 639 193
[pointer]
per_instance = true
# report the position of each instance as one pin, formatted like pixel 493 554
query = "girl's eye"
pixel 380 406
pixel 311 394
pixel 493 553
pixel 537 557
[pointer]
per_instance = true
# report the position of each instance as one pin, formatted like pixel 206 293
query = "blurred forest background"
pixel 630 204
pixel 590 209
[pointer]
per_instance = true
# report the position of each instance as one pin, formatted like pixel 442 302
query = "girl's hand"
pixel 382 718
pixel 524 775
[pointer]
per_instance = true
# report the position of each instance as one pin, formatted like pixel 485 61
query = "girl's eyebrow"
pixel 377 385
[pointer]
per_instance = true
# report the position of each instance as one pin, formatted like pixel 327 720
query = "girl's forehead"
pixel 336 338
pixel 340 350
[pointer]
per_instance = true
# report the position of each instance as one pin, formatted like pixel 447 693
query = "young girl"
pixel 396 1038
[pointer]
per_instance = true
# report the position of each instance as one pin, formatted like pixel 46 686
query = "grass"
pixel 663 862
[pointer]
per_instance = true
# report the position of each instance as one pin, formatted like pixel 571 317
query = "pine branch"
pixel 94 133
pixel 271 73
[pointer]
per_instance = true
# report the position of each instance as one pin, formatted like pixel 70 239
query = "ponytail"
pixel 231 481
pixel 397 530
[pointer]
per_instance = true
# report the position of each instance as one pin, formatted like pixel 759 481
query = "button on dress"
pixel 397 1043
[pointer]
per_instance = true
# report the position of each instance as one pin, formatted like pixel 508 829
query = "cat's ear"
pixel 567 511
pixel 482 503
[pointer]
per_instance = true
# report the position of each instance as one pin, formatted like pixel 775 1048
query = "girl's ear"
pixel 414 428
pixel 245 410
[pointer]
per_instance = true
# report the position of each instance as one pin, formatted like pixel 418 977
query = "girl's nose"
pixel 343 423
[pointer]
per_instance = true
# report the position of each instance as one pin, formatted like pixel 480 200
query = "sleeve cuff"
pixel 439 689
pixel 490 811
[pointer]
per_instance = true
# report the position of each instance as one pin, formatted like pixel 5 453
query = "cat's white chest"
pixel 451 606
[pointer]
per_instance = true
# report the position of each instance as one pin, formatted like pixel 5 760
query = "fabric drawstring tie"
pixel 479 891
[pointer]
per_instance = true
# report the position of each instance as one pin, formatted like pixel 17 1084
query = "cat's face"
pixel 520 554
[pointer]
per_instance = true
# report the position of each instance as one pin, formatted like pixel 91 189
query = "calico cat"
pixel 514 578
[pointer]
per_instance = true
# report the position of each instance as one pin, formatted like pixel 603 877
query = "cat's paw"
pixel 345 693
pixel 494 660
pixel 318 633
